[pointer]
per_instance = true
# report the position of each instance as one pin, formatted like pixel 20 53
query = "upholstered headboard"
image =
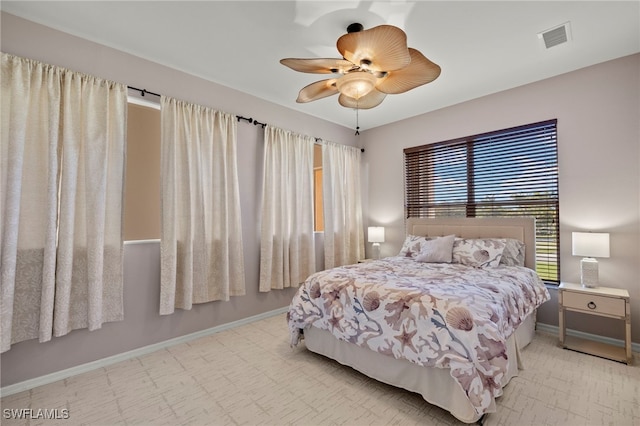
pixel 521 228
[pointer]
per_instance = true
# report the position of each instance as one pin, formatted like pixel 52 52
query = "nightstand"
pixel 602 301
pixel 365 260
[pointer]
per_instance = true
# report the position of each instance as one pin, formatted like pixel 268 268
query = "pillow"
pixel 437 250
pixel 411 246
pixel 513 254
pixel 479 252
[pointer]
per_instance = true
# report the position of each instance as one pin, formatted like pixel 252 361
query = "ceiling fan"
pixel 375 62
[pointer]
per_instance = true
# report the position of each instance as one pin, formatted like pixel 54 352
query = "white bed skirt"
pixel 434 384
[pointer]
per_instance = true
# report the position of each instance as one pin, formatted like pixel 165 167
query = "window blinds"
pixel 511 172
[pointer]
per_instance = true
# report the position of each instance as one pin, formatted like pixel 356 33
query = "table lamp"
pixel 376 236
pixel 589 245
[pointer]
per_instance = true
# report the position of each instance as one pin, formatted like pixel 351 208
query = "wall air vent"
pixel 556 35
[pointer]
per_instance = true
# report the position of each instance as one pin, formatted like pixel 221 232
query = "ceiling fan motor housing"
pixel 355 28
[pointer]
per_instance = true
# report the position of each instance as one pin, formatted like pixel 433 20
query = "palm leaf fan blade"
pixel 420 71
pixel 371 100
pixel 318 65
pixel 382 48
pixel 318 90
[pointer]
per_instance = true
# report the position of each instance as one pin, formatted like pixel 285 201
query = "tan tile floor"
pixel 250 376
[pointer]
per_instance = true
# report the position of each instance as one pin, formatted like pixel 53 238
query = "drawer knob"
pixel 591 305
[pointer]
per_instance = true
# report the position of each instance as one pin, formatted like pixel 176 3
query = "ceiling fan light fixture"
pixel 375 63
pixel 356 84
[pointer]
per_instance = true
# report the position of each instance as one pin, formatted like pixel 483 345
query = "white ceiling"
pixel 483 47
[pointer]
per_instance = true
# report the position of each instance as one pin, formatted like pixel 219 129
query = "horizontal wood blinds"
pixel 511 172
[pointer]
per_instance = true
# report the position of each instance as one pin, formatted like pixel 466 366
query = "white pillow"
pixel 437 250
pixel 479 252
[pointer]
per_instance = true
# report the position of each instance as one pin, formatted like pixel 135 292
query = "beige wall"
pixel 598 110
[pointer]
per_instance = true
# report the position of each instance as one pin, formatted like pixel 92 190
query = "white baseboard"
pixel 553 329
pixel 94 365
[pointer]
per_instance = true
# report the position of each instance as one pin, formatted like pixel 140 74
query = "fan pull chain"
pixel 357 120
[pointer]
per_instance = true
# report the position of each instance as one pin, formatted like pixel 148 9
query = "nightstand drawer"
pixel 594 303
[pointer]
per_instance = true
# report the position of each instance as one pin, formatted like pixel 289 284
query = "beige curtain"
pixel 287 253
pixel 342 206
pixel 201 237
pixel 63 149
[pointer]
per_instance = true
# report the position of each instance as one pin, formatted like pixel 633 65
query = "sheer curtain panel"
pixel 201 237
pixel 342 206
pixel 287 252
pixel 63 149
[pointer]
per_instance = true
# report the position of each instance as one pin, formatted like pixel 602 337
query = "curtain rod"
pixel 256 123
pixel 251 120
pixel 239 117
pixel 318 140
pixel 143 91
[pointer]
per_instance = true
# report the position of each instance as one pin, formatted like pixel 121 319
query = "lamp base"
pixel 589 272
pixel 376 250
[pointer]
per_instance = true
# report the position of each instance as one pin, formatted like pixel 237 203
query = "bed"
pixel 450 329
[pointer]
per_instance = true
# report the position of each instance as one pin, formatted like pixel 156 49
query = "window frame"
pixel 451 177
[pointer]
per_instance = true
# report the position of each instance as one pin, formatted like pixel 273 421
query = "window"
pixel 511 172
pixel 142 183
pixel 318 214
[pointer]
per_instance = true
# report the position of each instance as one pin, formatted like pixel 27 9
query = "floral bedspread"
pixel 433 314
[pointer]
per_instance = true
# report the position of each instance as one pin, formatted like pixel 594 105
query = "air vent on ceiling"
pixel 556 35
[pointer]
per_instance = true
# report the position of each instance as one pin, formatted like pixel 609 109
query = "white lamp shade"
pixel 376 234
pixel 590 244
